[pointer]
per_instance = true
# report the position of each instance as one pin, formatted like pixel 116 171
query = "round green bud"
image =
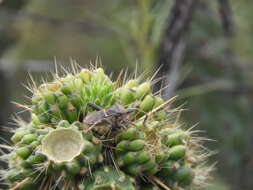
pixel 23 152
pixel 50 97
pixel 129 157
pixel 24 164
pixel 66 90
pixel 37 158
pixel 149 165
pixel 27 139
pixel 131 83
pixel 147 104
pixel 173 139
pixel 142 157
pixel 143 90
pixel 36 99
pixel 85 75
pixel 160 115
pixel 136 145
pixel 18 136
pixel 185 175
pixel 78 84
pixel 158 101
pixel 35 119
pixel 134 169
pixel 122 146
pixel 53 86
pixel 129 134
pixel 127 96
pixel 34 144
pixel 177 152
pixel 168 168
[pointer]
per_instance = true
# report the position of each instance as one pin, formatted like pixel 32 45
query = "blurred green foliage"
pixel 216 76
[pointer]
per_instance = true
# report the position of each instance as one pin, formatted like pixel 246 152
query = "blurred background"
pixel 204 50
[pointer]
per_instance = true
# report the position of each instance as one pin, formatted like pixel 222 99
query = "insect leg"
pixel 94 106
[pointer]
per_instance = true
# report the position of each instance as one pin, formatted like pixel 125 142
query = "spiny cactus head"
pixel 88 132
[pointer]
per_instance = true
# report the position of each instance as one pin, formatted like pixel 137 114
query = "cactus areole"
pixel 88 132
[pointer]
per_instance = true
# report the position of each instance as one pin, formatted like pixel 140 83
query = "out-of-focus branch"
pixel 87 27
pixel 226 17
pixel 172 48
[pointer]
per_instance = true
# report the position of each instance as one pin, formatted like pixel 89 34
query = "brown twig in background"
pixel 171 51
pixel 226 17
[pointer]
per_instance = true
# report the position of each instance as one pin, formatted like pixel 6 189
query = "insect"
pixel 116 116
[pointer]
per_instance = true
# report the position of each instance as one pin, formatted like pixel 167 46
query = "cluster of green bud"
pixel 66 98
pixel 133 143
pixel 67 149
pixel 132 153
pixel 175 169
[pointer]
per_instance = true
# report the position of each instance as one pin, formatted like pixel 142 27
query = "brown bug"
pixel 114 115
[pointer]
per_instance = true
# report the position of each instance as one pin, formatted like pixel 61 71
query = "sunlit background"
pixel 204 50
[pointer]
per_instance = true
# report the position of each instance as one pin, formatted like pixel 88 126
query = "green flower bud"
pixel 18 136
pixel 129 134
pixel 131 83
pixel 160 115
pixel 122 146
pixel 27 139
pixel 149 165
pixel 50 98
pixel 184 175
pixel 160 157
pixel 168 168
pixel 143 157
pixel 147 104
pixel 76 100
pixel 66 90
pixel 134 169
pixel 136 145
pixel 56 112
pixel 127 96
pixel 24 164
pixel 177 152
pixel 36 99
pixel 35 119
pixel 36 159
pixel 85 75
pixel 62 100
pixel 71 113
pixel 173 139
pixel 34 144
pixel 143 90
pixel 23 152
pixel 129 157
pixel 54 86
pixel 158 101
pixel 78 84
